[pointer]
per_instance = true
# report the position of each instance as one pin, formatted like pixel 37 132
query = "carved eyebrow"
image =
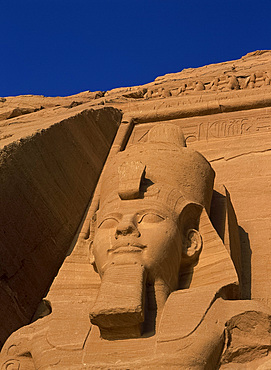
pixel 157 219
pixel 115 216
pixel 150 212
pixel 155 211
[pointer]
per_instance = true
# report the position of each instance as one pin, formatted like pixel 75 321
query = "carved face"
pixel 139 231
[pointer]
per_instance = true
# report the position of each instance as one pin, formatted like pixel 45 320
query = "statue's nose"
pixel 126 227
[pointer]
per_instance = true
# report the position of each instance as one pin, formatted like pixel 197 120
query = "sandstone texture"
pixel 210 310
pixel 48 175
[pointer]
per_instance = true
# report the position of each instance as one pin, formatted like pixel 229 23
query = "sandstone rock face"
pixel 133 293
pixel 47 179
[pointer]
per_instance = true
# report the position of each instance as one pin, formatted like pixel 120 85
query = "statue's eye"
pixel 151 218
pixel 108 223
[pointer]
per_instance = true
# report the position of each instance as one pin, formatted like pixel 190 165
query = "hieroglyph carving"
pixel 225 82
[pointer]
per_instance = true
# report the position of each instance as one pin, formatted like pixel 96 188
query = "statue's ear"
pixel 191 237
pixel 91 237
pixel 91 256
pixel 192 246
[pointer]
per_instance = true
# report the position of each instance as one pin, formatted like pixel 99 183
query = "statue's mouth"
pixel 126 247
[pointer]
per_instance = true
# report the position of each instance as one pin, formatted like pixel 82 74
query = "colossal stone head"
pixel 152 195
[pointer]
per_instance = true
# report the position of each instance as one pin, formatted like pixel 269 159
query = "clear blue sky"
pixel 62 47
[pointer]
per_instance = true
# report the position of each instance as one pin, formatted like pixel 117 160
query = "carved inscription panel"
pixel 224 125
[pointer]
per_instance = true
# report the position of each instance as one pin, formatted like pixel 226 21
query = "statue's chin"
pixel 133 255
pixel 119 307
pixel 125 256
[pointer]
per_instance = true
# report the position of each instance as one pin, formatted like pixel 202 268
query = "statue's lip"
pixel 124 247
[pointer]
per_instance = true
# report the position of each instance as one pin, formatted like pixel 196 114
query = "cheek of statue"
pixel 103 241
pixel 162 257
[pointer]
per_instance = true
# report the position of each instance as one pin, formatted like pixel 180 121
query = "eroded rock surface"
pixel 47 179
